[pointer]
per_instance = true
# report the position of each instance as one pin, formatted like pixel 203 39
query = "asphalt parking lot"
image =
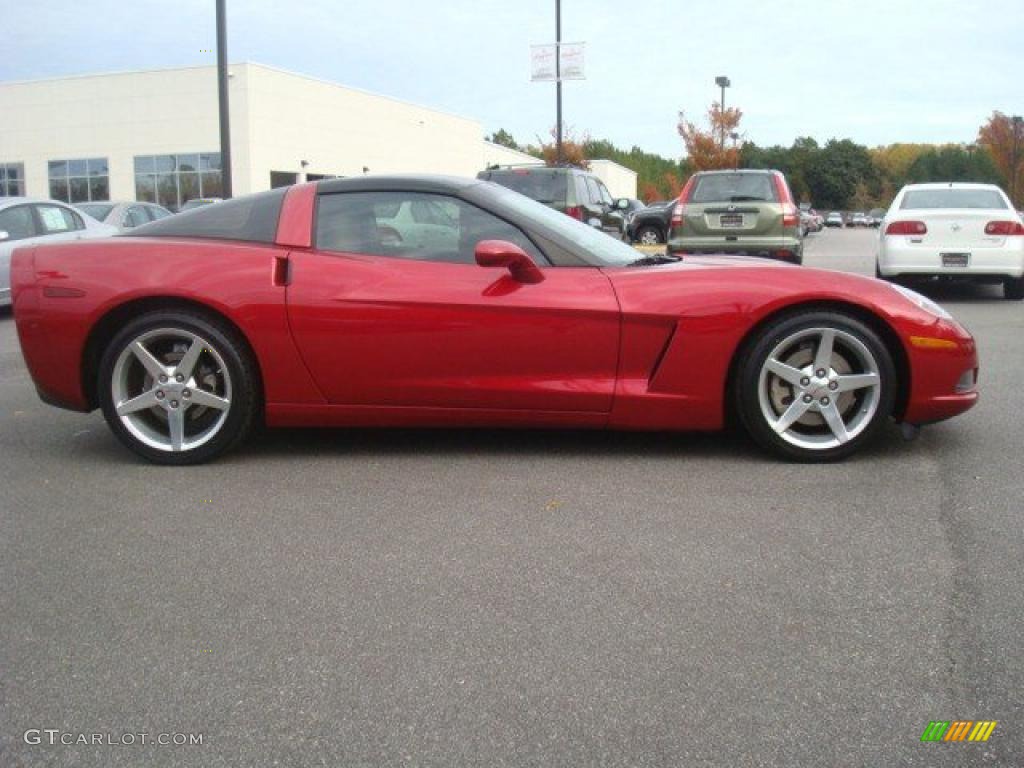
pixel 519 598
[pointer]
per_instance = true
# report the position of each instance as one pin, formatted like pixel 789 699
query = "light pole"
pixel 1015 122
pixel 222 96
pixel 558 82
pixel 722 82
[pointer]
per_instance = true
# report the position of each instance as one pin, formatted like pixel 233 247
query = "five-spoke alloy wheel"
pixel 177 387
pixel 816 386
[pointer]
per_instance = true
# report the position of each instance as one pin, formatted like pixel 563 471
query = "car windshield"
pixel 605 249
pixel 544 186
pixel 917 199
pixel 733 188
pixel 98 211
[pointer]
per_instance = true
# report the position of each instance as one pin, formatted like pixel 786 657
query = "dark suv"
pixel 747 212
pixel 572 191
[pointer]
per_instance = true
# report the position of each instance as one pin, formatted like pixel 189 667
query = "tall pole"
pixel 558 82
pixel 722 102
pixel 722 82
pixel 222 95
pixel 1015 122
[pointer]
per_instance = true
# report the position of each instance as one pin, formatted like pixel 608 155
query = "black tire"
pixel 1013 288
pixel 242 413
pixel 747 388
pixel 659 237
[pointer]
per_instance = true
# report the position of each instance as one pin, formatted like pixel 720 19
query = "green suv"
pixel 749 212
pixel 572 191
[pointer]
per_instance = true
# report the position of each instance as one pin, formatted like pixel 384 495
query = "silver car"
pixel 25 221
pixel 124 216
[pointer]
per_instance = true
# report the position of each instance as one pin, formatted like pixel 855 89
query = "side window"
pixel 157 213
pixel 17 222
pixel 436 228
pixel 582 193
pixel 605 194
pixel 56 219
pixel 135 217
pixel 436 212
pixel 594 192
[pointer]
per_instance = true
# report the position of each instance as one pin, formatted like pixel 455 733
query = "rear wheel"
pixel 815 386
pixel 649 236
pixel 1013 288
pixel 178 387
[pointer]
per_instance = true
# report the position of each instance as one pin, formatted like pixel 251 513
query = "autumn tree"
pixel 574 151
pixel 708 149
pixel 894 160
pixel 1003 140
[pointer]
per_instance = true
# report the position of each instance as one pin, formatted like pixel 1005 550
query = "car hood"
pixel 707 286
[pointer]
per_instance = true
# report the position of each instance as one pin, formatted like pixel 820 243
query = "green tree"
pixel 834 173
pixel 504 138
pixel 952 162
pixel 658 178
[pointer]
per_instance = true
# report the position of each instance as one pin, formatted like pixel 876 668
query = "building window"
pixel 12 179
pixel 79 181
pixel 173 180
pixel 282 179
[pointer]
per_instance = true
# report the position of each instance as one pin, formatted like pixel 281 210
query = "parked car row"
pixel 855 219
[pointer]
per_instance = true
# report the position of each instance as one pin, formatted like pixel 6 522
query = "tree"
pixel 504 138
pixel 834 173
pixel 658 178
pixel 893 161
pixel 705 148
pixel 574 151
pixel 952 162
pixel 1003 141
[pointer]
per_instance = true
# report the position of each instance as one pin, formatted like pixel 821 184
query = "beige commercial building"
pixel 154 135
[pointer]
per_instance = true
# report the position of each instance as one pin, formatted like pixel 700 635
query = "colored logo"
pixel 959 730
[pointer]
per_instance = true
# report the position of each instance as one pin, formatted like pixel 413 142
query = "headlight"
pixel 923 302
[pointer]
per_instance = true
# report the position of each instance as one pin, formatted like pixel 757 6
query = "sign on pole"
pixel 570 62
pixel 542 62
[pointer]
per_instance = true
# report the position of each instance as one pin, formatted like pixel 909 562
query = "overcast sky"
pixel 876 72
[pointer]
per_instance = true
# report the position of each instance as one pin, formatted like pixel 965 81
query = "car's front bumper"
pixel 943 373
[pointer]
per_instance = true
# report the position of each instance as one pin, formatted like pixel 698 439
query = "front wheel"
pixel 815 386
pixel 178 387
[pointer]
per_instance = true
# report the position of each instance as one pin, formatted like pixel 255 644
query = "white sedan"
pixel 954 230
pixel 24 221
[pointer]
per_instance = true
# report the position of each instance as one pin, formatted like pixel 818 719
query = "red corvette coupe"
pixel 427 301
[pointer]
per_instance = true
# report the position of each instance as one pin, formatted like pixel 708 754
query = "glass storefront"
pixel 173 180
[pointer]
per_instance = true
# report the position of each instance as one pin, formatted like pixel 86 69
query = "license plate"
pixel 730 220
pixel 955 259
